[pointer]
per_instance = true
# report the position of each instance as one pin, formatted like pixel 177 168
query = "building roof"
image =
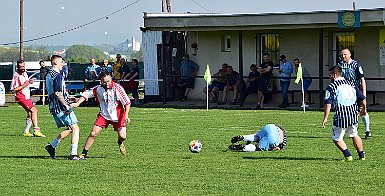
pixel 287 20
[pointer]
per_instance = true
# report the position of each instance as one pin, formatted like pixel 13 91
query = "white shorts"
pixel 338 132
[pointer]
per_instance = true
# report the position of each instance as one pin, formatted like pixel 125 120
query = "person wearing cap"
pixel 285 70
pixel 270 137
pixel 188 71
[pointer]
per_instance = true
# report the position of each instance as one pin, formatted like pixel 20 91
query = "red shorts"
pixel 26 104
pixel 103 123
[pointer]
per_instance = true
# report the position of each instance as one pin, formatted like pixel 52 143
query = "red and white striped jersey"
pixel 18 80
pixel 109 100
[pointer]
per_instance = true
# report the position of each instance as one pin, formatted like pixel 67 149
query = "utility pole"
pixel 166 6
pixel 21 31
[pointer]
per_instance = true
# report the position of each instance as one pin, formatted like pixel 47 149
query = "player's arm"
pixel 326 114
pixel 363 86
pixel 84 96
pixel 25 84
pixel 60 97
pixel 127 110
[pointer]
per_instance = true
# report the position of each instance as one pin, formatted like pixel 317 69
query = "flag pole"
pixel 207 96
pixel 303 96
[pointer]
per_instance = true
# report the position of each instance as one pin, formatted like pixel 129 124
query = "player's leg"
pixel 366 121
pixel 90 140
pixel 337 137
pixel 75 141
pixel 353 133
pixel 28 124
pixel 121 138
pixel 36 129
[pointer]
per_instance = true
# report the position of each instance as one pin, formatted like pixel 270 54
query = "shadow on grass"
pixel 311 137
pixel 43 157
pixel 291 158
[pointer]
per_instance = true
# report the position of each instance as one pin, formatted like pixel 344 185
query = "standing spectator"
pixel 234 83
pixel 285 70
pixel 105 68
pixel 132 84
pixel 114 109
pixel 352 71
pixel 265 69
pixel 253 80
pixel 43 73
pixel 115 69
pixel 58 101
pixel 342 94
pixel 188 70
pixel 218 84
pixel 20 86
pixel 91 74
pixel 124 71
pixel 306 80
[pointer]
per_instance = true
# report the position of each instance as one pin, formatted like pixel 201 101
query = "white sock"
pixel 249 138
pixel 366 121
pixel 28 124
pixel 74 149
pixel 249 148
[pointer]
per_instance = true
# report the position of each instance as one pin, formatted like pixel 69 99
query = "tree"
pixel 83 53
pixel 137 55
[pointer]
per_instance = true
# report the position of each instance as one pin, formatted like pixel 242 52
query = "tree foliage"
pixel 30 54
pixel 83 53
pixel 137 55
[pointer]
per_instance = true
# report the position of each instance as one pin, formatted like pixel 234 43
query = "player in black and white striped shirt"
pixel 352 71
pixel 343 94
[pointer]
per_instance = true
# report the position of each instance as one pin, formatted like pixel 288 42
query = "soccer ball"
pixel 195 146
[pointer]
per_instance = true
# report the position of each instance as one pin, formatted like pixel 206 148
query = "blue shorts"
pixel 268 137
pixel 219 85
pixel 63 120
pixel 306 84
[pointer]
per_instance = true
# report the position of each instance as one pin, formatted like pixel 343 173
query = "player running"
pixel 20 86
pixel 114 109
pixel 270 137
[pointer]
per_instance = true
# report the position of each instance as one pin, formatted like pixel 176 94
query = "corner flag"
pixel 299 74
pixel 207 75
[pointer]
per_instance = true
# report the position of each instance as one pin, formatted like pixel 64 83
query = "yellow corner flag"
pixel 207 75
pixel 299 74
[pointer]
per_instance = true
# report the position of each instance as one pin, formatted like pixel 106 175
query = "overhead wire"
pixel 78 27
pixel 202 6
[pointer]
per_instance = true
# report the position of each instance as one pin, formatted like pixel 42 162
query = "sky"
pixel 46 17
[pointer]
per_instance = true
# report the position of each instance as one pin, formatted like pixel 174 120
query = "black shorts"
pixel 188 82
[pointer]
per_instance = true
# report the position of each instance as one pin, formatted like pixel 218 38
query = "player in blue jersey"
pixel 270 137
pixel 60 109
pixel 352 71
pixel 343 94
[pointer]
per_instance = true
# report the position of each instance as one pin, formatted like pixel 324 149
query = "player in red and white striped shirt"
pixel 114 109
pixel 20 86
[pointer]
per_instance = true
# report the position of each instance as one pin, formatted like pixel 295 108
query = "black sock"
pixel 361 154
pixel 84 152
pixel 346 153
pixel 120 142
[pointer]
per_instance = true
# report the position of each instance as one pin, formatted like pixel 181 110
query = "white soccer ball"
pixel 195 146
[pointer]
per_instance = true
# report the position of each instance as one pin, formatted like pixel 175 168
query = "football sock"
pixel 55 142
pixel 361 154
pixel 346 153
pixel 84 152
pixel 74 149
pixel 250 148
pixel 36 129
pixel 28 124
pixel 366 121
pixel 249 138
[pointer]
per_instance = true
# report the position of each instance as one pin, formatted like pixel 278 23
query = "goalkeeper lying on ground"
pixel 270 137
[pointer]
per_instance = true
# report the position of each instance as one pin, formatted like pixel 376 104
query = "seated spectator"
pixel 91 74
pixel 218 84
pixel 234 83
pixel 253 80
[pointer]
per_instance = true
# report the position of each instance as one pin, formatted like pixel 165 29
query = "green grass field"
pixel 159 163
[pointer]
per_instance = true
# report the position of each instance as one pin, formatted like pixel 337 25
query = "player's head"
pixel 57 62
pixel 346 55
pixel 20 66
pixel 335 72
pixel 106 80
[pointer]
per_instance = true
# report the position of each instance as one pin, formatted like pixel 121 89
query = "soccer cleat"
pixel 362 159
pixel 50 150
pixel 236 139
pixel 82 157
pixel 349 159
pixel 368 135
pixel 28 134
pixel 38 134
pixel 238 147
pixel 122 149
pixel 74 158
